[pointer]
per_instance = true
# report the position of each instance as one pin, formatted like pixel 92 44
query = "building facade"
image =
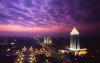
pixel 74 40
pixel 47 41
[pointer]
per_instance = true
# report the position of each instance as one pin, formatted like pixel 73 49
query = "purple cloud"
pixel 48 12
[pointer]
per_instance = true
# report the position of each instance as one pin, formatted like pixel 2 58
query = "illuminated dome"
pixel 74 32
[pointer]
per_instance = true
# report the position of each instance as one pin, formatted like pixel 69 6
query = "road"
pixel 56 55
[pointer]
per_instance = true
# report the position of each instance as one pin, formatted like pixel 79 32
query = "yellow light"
pixel 62 51
pixel 22 55
pixel 41 51
pixel 76 53
pixel 20 62
pixel 18 59
pixel 22 58
pixel 74 32
pixel 80 52
pixel 83 49
pixel 16 52
pixel 31 48
pixel 31 58
pixel 24 49
pixel 31 61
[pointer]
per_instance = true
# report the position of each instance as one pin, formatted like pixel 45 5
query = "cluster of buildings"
pixel 29 54
pixel 74 47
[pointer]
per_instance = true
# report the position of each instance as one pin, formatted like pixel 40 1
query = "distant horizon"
pixel 49 17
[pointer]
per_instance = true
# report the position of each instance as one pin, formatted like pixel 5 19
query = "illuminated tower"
pixel 47 41
pixel 74 40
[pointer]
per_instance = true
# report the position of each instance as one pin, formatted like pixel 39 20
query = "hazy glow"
pixel 17 28
pixel 74 31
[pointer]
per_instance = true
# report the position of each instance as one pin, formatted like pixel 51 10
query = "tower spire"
pixel 74 31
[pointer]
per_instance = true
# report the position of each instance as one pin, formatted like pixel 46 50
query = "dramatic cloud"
pixel 45 13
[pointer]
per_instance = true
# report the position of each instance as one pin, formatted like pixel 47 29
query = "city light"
pixel 12 43
pixel 49 31
pixel 8 49
pixel 74 32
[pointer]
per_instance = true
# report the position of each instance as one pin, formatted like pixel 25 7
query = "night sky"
pixel 49 17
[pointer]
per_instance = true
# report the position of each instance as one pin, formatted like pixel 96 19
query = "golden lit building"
pixel 47 41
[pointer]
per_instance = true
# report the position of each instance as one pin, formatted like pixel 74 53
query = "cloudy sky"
pixel 48 17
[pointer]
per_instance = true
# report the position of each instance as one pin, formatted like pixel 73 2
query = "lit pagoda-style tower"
pixel 47 41
pixel 74 40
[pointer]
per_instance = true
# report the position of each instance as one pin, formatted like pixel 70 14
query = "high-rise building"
pixel 47 40
pixel 74 40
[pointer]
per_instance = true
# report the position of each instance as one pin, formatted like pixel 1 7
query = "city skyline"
pixel 49 31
